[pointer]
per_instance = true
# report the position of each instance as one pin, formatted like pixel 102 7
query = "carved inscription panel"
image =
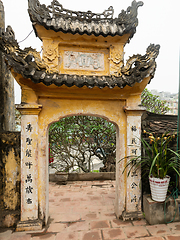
pixel 83 61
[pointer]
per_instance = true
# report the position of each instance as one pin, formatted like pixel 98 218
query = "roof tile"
pixel 57 18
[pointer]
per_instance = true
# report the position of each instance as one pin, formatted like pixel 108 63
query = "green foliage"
pixel 74 141
pixel 159 159
pixel 153 103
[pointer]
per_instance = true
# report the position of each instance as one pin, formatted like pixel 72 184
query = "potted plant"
pixel 158 161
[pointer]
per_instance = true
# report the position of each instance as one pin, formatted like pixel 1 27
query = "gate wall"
pixel 55 109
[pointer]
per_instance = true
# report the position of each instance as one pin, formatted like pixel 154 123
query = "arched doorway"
pixel 87 108
pixel 82 144
pixel 59 85
pixel 39 117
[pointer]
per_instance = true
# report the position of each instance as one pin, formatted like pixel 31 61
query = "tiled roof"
pixel 159 123
pixel 29 64
pixel 57 18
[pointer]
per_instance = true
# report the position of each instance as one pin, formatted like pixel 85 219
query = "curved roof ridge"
pixel 29 64
pixel 51 17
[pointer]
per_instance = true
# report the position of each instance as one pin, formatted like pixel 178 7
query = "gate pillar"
pixel 29 168
pixel 133 181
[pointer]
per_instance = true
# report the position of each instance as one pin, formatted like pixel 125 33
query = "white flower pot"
pixel 159 188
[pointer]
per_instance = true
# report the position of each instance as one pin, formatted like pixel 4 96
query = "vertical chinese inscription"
pixel 29 164
pixel 134 175
pixel 133 150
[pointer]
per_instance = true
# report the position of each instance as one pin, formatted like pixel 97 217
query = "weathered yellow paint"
pixel 116 105
pixel 55 44
pixel 11 196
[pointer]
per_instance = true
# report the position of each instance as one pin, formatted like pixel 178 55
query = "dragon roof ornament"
pixel 57 18
pixel 29 64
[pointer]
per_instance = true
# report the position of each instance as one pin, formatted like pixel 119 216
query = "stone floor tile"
pixel 49 236
pixel 67 236
pixel 65 217
pixel 19 236
pixel 150 238
pixel 78 226
pixel 90 216
pixel 95 198
pixel 97 208
pixel 174 227
pixel 56 227
pixel 115 233
pixel 57 194
pixel 135 231
pixel 173 237
pixel 141 222
pixel 100 224
pixel 82 208
pixel 110 215
pixel 120 223
pixel 61 208
pixel 161 229
pixel 5 234
pixel 91 235
pixel 90 193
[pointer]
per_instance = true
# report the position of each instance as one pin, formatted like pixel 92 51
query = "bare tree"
pixel 75 141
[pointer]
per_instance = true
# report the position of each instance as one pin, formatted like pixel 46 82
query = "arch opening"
pixel 81 144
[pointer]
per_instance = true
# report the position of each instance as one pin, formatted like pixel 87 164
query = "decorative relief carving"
pixel 83 61
pixel 50 57
pixel 116 61
pixel 135 64
pixel 50 53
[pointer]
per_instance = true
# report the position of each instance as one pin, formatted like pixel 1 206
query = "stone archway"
pixel 82 71
pixel 35 122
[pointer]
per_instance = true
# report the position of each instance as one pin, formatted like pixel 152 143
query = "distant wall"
pixel 101 176
pixel 10 178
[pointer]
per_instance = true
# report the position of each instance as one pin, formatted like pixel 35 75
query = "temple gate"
pixel 82 71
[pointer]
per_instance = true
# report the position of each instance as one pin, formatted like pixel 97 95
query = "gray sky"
pixel 158 23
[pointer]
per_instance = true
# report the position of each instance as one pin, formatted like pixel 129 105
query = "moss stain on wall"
pixel 9 178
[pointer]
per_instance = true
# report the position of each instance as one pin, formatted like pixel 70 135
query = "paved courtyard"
pixel 85 211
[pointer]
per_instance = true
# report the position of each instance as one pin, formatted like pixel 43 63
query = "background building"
pixel 171 98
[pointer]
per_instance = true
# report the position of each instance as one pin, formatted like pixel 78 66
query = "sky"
pixel 158 24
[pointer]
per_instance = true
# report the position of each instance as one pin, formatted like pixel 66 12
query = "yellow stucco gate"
pixel 82 71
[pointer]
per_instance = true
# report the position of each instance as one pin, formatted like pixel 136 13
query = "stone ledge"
pixel 154 211
pixel 86 176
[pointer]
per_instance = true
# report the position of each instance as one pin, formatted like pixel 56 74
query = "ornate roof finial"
pixel 1 6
